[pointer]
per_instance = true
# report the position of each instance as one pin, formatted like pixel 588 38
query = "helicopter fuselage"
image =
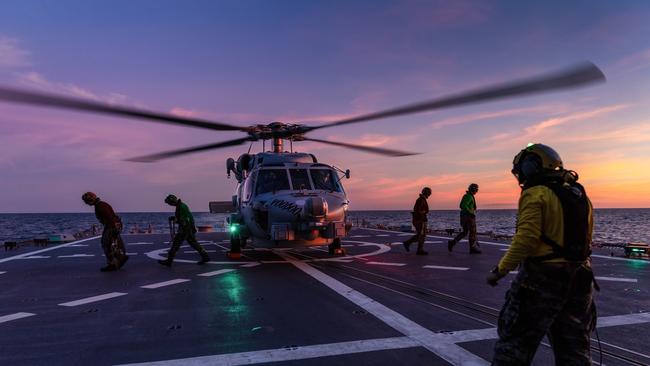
pixel 287 199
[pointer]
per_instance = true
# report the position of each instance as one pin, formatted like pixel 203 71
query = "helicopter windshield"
pixel 325 179
pixel 271 180
pixel 299 179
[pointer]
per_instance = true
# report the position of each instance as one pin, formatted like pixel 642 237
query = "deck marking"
pixel 432 242
pixel 298 353
pixel 508 245
pixel 249 265
pixel 3 272
pixel 140 243
pixel 165 283
pixel 450 352
pixel 93 299
pixel 46 249
pixel 77 245
pixel 35 257
pixel 387 264
pixel 215 273
pixel 10 317
pixel 616 279
pixel 360 236
pixel 76 256
pixel 405 234
pixel 382 235
pixel 445 267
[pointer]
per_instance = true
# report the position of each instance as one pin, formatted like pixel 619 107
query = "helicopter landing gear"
pixel 235 248
pixel 335 247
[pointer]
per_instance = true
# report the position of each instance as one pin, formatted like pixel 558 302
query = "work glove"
pixel 494 276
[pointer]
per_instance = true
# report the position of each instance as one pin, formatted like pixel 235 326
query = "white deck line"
pixel 445 267
pixel 508 245
pixel 289 354
pixel 450 352
pixel 166 283
pixel 616 279
pixel 46 249
pixel 76 256
pixel 387 264
pixel 88 300
pixel 10 317
pixel 215 273
pixel 35 257
pixel 3 272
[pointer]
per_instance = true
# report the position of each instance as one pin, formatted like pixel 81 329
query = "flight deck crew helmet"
pixel 426 191
pixel 89 198
pixel 473 188
pixel 536 161
pixel 171 200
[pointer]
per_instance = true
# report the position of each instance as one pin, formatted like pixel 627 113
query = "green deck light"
pixel 234 228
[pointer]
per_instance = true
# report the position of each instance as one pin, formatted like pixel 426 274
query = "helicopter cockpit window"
pixel 325 179
pixel 299 179
pixel 248 187
pixel 271 180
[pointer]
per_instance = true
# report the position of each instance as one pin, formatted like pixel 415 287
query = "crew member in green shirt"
pixel 186 231
pixel 467 221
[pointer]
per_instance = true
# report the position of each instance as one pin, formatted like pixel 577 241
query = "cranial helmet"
pixel 171 199
pixel 536 161
pixel 473 187
pixel 426 191
pixel 89 198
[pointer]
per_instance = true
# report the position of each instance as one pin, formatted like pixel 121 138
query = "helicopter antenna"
pixel 250 147
pixel 291 145
pixel 263 145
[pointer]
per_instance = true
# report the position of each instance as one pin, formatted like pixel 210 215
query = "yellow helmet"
pixel 536 160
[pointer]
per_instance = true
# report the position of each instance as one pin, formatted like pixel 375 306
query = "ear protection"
pixel 530 166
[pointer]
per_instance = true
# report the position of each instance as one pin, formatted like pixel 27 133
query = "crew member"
pixel 552 293
pixel 186 231
pixel 420 211
pixel 115 255
pixel 467 221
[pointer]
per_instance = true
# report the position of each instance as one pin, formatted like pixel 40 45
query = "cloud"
pixel 35 80
pixel 495 114
pixel 579 116
pixel 635 61
pixel 11 55
pixel 182 112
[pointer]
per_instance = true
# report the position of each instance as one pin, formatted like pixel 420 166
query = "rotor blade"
pixel 170 154
pixel 64 102
pixel 581 75
pixel 376 150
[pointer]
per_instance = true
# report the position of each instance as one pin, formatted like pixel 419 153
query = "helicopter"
pixel 289 198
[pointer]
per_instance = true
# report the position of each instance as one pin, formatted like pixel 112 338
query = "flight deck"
pixel 378 305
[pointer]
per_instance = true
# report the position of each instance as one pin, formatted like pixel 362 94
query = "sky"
pixel 250 62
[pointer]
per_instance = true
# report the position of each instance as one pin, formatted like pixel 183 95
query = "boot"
pixel 450 245
pixel 407 246
pixel 109 268
pixel 123 260
pixel 166 262
pixel 204 259
pixel 475 250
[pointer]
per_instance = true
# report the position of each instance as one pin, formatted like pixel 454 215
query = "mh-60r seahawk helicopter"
pixel 284 197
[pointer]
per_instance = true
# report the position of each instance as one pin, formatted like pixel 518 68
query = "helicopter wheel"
pixel 335 248
pixel 235 248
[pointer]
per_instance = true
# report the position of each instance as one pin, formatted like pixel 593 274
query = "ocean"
pixel 612 226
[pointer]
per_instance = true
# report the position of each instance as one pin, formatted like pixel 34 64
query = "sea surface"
pixel 611 225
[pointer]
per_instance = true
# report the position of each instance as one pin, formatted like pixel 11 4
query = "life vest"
pixel 575 212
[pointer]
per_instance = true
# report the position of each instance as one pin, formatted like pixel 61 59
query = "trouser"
pixel 552 299
pixel 182 235
pixel 468 223
pixel 420 234
pixel 110 235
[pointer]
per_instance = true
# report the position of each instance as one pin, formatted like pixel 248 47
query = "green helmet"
pixel 171 199
pixel 89 198
pixel 535 161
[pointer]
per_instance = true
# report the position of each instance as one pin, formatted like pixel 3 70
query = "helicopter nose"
pixel 316 207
